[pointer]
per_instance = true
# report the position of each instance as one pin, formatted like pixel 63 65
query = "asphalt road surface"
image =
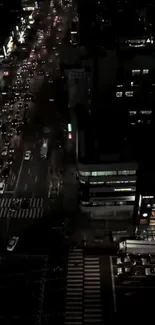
pixel 31 178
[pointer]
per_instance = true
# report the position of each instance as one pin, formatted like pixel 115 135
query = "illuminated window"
pixel 146 112
pixel 126 172
pixel 119 86
pixel 131 113
pixel 129 93
pixel 81 173
pixel 119 94
pixel 145 71
pixel 126 189
pixel 135 72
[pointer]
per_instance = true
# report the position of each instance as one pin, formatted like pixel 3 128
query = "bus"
pixel 142 247
pixel 44 149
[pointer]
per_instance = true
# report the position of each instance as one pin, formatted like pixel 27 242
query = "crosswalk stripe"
pixel 30 214
pixel 2 202
pixel 34 202
pixel 9 202
pixel 41 203
pixel 35 210
pixel 23 214
pixel 38 212
pixel 27 213
pixel 5 212
pixel 1 213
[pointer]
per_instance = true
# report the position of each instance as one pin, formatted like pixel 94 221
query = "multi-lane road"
pixel 31 178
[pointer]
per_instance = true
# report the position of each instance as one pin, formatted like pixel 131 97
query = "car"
pixel 5 172
pixel 15 205
pixel 2 186
pixel 4 109
pixel 27 155
pixel 26 106
pixel 14 122
pixel 1 163
pixel 7 103
pixel 11 108
pixel 4 151
pixel 9 161
pixel 7 142
pixel 3 129
pixel 25 204
pixel 10 133
pixel 12 243
pixel 9 119
pixel 11 150
pixel 20 105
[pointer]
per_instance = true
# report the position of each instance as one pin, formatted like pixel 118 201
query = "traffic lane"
pixel 34 172
pixel 42 179
pixel 29 168
pixel 26 177
pixel 18 227
pixel 14 170
pixel 34 177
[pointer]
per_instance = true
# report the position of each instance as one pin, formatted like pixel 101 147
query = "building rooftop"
pixel 106 138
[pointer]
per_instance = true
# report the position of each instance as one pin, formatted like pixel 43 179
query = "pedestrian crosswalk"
pixel 92 291
pixel 83 293
pixel 35 209
pixel 74 288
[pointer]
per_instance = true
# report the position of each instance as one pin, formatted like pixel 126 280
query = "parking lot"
pixel 133 283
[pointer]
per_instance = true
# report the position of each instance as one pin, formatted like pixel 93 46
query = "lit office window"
pixel 126 189
pixel 104 173
pixel 131 113
pixel 145 71
pixel 126 172
pixel 146 112
pixel 135 72
pixel 119 94
pixel 129 93
pixel 81 173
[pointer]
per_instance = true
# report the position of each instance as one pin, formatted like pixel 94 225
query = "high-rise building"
pixel 107 166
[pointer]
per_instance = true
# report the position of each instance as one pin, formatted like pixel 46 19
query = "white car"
pixel 119 260
pixel 2 186
pixel 27 155
pixel 12 243
pixel 119 271
pixel 5 151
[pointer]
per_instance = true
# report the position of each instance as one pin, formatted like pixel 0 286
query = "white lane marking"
pixel 29 171
pixel 25 187
pixel 19 174
pixel 36 178
pixel 13 179
pixel 113 285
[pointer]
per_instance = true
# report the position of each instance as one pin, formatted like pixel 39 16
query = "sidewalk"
pixel 70 188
